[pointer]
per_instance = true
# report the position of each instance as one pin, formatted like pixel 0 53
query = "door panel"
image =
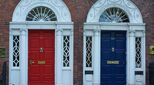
pixel 41 52
pixel 113 58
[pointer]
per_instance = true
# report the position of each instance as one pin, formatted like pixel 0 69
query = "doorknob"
pixel 31 62
pixel 113 49
pixel 41 50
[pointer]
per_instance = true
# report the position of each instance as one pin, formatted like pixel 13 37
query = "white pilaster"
pixel 132 58
pixel 72 54
pixel 59 57
pixel 10 56
pixel 23 57
pixel 144 57
pixel 96 57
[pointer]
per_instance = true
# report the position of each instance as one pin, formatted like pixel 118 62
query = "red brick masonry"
pixel 79 10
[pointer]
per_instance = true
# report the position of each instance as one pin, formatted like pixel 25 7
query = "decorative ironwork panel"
pixel 114 15
pixel 66 51
pixel 16 51
pixel 138 52
pixel 89 51
pixel 41 14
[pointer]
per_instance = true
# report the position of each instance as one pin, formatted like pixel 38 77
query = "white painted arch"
pixel 134 28
pixel 62 27
pixel 128 6
pixel 58 6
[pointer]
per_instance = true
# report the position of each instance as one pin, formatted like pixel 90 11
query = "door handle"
pixel 31 62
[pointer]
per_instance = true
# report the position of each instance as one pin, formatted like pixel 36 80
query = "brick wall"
pixel 79 10
pixel 7 7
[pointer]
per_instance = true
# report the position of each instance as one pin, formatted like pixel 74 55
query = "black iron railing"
pixel 151 73
pixel 3 74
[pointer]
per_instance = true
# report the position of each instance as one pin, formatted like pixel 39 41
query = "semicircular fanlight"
pixel 114 15
pixel 41 14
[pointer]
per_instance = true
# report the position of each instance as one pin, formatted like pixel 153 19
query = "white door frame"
pixel 21 29
pixel 135 28
pixel 131 32
pixel 62 27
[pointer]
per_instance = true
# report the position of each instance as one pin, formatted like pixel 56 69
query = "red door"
pixel 41 52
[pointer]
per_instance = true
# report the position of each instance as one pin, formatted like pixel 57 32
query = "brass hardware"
pixel 112 62
pixel 41 62
pixel 113 49
pixel 41 50
pixel 31 62
pixel 151 50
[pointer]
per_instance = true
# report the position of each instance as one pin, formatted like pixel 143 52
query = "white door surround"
pixel 134 29
pixel 18 74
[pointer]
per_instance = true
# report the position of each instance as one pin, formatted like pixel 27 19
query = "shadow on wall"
pixel 151 73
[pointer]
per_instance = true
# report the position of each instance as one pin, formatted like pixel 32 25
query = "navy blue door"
pixel 113 58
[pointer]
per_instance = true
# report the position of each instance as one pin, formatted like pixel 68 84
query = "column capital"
pixel 88 32
pixel 59 32
pixel 10 32
pixel 23 31
pixel 144 33
pixel 140 33
pixel 72 31
pixel 97 32
pixel 131 33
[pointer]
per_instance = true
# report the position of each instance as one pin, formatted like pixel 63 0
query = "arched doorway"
pixel 41 43
pixel 114 44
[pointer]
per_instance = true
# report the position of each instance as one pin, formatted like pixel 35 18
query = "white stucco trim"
pixel 58 7
pixel 135 28
pixel 127 5
pixel 40 25
pixel 19 26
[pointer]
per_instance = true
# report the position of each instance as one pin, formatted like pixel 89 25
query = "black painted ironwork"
pixel 88 72
pixel 151 73
pixel 139 73
pixel 3 74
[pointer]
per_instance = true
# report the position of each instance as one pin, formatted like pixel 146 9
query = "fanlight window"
pixel 114 15
pixel 41 14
